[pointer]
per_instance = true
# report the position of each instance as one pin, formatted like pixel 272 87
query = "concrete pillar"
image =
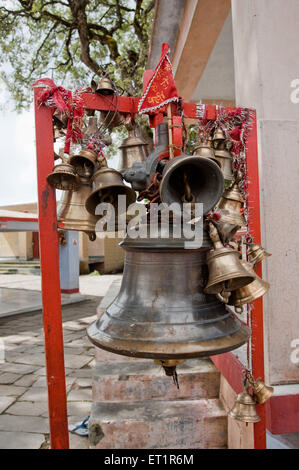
pixel 25 245
pixel 69 263
pixel 265 35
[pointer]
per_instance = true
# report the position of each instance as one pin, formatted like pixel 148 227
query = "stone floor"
pixel 23 392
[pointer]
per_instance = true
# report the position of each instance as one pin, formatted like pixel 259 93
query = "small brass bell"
pixel 224 159
pixel 244 408
pixel 64 176
pixel 219 139
pixel 72 213
pixel 256 253
pixel 107 185
pixel 133 149
pixel 85 158
pixel 226 272
pixel 249 293
pixel 204 149
pixel 230 206
pixel 261 391
pixel 105 87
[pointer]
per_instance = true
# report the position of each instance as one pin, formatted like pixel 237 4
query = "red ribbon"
pixel 67 102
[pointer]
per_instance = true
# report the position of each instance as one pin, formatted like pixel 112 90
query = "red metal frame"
pixel 227 363
pixel 49 259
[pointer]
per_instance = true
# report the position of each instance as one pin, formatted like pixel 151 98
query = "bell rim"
pixel 74 183
pixel 129 192
pixel 149 350
pixel 176 162
pixel 251 298
pixel 250 419
pixel 92 159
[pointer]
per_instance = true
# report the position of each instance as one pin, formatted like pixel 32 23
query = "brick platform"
pixel 136 406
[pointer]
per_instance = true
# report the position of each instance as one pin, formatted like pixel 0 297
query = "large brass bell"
pixel 161 311
pixel 261 391
pixel 105 87
pixel 107 185
pixel 249 293
pixel 224 159
pixel 64 176
pixel 192 179
pixel 244 408
pixel 256 253
pixel 230 206
pixel 226 273
pixel 72 213
pixel 133 149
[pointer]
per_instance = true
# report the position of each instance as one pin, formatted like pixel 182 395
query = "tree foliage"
pixel 73 41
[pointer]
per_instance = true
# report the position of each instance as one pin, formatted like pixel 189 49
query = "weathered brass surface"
pixel 230 206
pixel 261 391
pixel 205 150
pixel 71 210
pixel 249 293
pixel 244 408
pixel 199 176
pixel 219 139
pixel 256 253
pixel 133 149
pixel 226 273
pixel 107 184
pixel 161 311
pixel 84 158
pixel 224 159
pixel 105 87
pixel 64 177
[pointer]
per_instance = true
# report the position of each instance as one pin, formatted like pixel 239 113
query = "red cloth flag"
pixel 161 89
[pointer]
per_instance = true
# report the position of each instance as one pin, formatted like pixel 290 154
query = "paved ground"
pixel 23 392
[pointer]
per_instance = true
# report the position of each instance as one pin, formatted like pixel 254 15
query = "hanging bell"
pixel 133 149
pixel 107 185
pixel 64 177
pixel 244 408
pixel 84 161
pixel 205 150
pixel 249 293
pixel 105 87
pixel 224 159
pixel 256 253
pixel 226 273
pixel 72 213
pixel 192 179
pixel 261 391
pixel 161 311
pixel 230 206
pixel 219 139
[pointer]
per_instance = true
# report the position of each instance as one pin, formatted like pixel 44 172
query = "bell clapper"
pixel 169 367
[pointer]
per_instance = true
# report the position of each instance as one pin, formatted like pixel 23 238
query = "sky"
pixel 18 183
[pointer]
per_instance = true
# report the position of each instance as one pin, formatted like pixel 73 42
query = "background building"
pixel 243 53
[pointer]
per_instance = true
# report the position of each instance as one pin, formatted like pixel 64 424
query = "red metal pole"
pixel 257 327
pixel 49 259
